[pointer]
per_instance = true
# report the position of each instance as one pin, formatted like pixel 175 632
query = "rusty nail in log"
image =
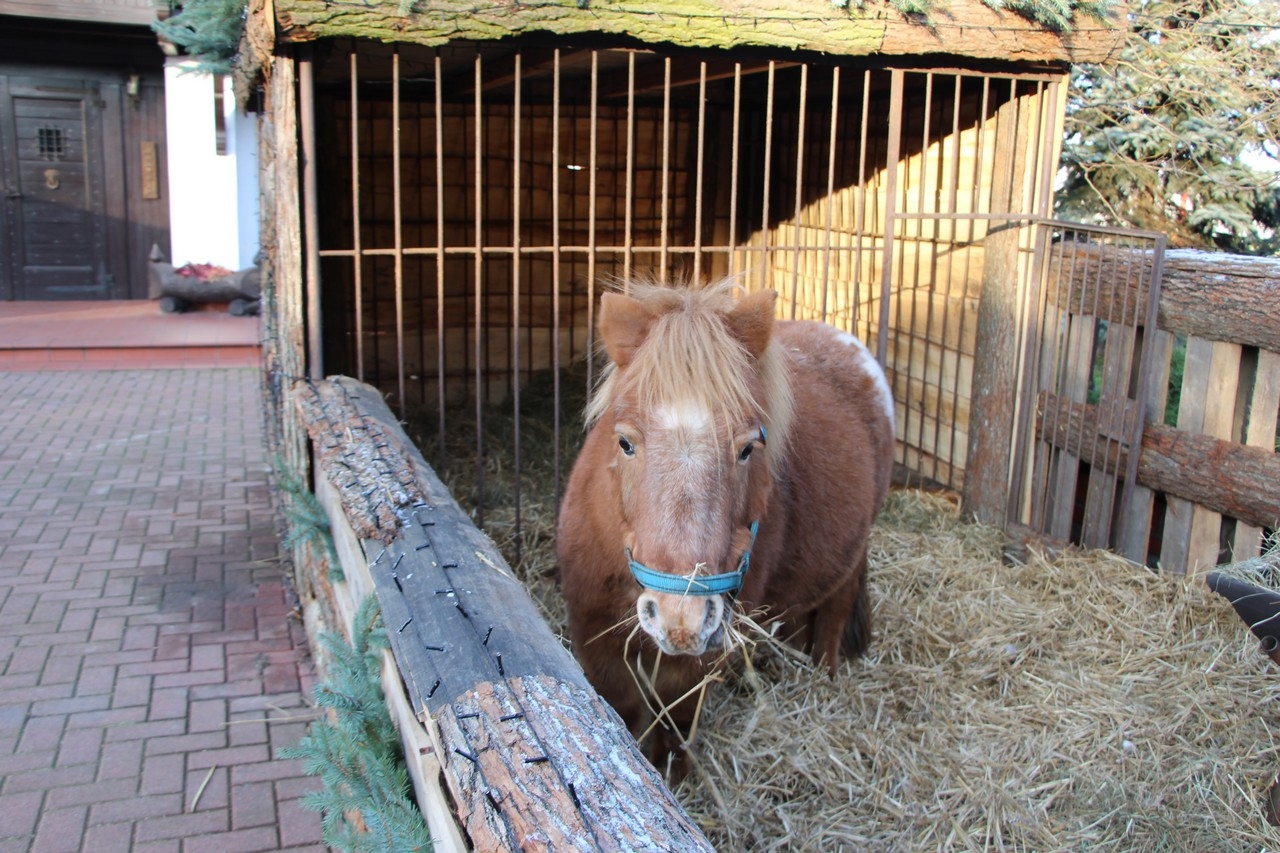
pixel 507 717
pixel 400 630
pixel 473 759
pixel 536 759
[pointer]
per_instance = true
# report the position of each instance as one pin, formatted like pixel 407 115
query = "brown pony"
pixel 728 454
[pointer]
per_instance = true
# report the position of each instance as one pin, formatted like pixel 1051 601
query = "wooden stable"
pixel 470 195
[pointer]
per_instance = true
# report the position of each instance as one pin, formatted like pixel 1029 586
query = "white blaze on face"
pixel 868 364
pixel 683 417
pixel 682 456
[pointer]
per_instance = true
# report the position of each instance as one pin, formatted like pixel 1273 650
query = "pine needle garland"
pixel 354 749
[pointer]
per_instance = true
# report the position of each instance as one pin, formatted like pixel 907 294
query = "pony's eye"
pixel 627 447
pixel 745 453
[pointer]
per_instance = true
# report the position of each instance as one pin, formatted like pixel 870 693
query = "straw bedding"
pixel 1069 703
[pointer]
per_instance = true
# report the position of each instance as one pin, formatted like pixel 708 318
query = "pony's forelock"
pixel 691 359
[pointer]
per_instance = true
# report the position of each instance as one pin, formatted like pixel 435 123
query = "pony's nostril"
pixel 711 619
pixel 648 609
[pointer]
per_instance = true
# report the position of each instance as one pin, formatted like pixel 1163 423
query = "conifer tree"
pixel 1169 136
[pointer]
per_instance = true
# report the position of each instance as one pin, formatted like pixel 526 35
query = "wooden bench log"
pixel 531 756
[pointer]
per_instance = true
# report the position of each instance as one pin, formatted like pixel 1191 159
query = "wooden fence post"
pixel 995 364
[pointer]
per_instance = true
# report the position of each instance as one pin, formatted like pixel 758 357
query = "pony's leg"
pixel 857 629
pixel 842 622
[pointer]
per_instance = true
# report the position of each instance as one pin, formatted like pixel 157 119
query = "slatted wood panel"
pixel 1098 352
pixel 1255 426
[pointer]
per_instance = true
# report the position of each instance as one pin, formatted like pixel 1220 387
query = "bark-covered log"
pixel 1229 478
pixel 533 758
pixel 958 27
pixel 517 751
pixel 368 467
pixel 1219 297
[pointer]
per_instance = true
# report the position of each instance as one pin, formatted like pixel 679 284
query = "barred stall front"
pixel 474 199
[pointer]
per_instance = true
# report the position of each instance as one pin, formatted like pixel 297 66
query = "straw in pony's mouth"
pixel 741 636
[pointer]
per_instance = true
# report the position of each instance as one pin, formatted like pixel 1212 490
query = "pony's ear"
pixel 624 324
pixel 751 321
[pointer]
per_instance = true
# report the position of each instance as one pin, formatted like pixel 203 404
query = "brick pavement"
pixel 150 660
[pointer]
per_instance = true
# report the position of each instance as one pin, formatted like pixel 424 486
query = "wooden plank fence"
pixel 1206 487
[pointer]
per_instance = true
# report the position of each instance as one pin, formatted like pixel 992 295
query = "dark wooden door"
pixel 56 227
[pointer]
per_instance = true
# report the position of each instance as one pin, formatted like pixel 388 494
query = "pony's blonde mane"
pixel 690 358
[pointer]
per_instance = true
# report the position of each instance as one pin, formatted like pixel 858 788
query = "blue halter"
pixel 727 583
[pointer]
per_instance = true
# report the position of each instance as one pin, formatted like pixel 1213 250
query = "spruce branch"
pixel 365 804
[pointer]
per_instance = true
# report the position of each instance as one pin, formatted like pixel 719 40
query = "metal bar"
pixel 768 152
pixel 666 169
pixel 513 358
pixel 953 199
pixel 591 221
pixel 860 202
pixel 584 249
pixel 912 336
pixel 892 155
pixel 733 169
pixel 440 331
pixel 310 214
pixel 831 186
pixel 795 216
pixel 358 272
pixel 697 198
pixel 631 162
pixel 478 329
pixel 397 224
pixel 555 269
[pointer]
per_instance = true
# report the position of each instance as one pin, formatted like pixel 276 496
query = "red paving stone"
pixel 147 645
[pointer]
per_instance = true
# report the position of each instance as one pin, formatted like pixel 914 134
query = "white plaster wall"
pixel 213 198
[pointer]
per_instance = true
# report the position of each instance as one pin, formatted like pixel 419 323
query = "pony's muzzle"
pixel 682 624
